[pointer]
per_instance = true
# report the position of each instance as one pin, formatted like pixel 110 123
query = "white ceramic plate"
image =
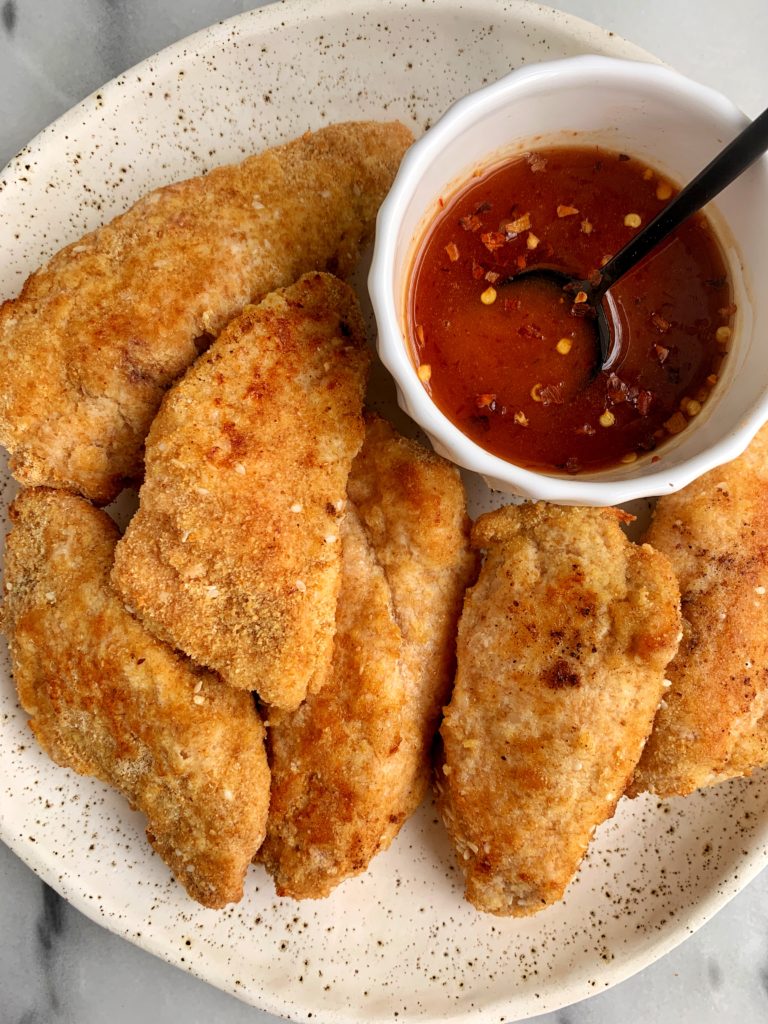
pixel 398 943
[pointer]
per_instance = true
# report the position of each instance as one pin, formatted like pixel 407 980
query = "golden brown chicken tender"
pixel 97 335
pixel 352 763
pixel 713 722
pixel 233 555
pixel 562 648
pixel 108 700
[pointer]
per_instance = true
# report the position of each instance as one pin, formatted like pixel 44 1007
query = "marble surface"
pixel 56 967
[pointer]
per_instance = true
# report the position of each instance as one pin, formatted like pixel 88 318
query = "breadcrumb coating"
pixel 713 723
pixel 233 555
pixel 562 647
pixel 108 700
pixel 352 763
pixel 99 333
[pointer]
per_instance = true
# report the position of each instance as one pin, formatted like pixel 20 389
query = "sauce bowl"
pixel 649 112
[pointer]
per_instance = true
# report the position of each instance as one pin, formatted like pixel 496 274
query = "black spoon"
pixel 587 296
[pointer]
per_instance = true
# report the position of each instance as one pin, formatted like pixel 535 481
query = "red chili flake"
pixel 552 394
pixel 521 262
pixel 486 402
pixel 643 403
pixel 492 277
pixel 493 240
pixel 478 270
pixel 661 352
pixel 420 334
pixel 660 323
pixel 656 458
pixel 441 202
pixel 616 389
pixel 470 222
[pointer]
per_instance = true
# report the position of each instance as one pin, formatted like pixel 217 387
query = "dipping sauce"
pixel 512 366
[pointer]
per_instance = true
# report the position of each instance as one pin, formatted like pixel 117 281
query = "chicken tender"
pixel 562 647
pixel 97 335
pixel 108 700
pixel 233 555
pixel 713 723
pixel 352 763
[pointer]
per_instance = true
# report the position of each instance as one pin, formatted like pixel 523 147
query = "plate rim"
pixel 264 18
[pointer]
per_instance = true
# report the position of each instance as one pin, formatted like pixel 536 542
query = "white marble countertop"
pixel 56 967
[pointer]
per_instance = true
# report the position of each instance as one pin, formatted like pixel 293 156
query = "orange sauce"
pixel 511 365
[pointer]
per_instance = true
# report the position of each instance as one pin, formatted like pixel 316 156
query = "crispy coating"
pixel 562 648
pixel 413 507
pixel 713 722
pixel 108 700
pixel 233 555
pixel 97 335
pixel 353 762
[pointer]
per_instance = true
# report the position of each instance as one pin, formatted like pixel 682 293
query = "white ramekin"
pixel 652 113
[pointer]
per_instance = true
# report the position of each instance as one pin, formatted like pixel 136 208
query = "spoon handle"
pixel 720 172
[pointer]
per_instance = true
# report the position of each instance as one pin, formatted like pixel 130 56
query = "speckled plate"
pixel 399 942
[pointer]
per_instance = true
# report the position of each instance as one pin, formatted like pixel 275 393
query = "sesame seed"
pixel 629 457
pixel 212 591
pixel 240 468
pixel 297 507
pixel 301 586
pixel 564 346
pixel 424 373
pixel 185 536
pixel 202 490
pixel 198 699
pixel 760 590
pixel 198 686
pixel 50 597
pixel 228 794
pixel 330 538
pixel 632 220
pixel 607 419
pixel 488 297
pixel 723 334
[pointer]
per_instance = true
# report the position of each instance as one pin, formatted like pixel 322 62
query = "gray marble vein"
pixel 56 966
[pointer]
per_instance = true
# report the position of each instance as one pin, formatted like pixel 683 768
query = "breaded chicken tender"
pixel 713 722
pixel 97 335
pixel 562 647
pixel 353 762
pixel 108 700
pixel 233 555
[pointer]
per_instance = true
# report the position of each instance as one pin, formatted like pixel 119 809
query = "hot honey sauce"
pixel 513 367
